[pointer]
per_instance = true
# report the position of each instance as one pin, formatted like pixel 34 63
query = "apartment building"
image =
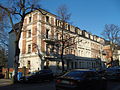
pixel 40 44
pixel 111 58
pixel 89 49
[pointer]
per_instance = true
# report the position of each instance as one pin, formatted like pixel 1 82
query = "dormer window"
pixel 76 30
pixel 29 19
pixel 47 18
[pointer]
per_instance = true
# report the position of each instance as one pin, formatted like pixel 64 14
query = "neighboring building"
pixel 116 56
pixel 11 49
pixel 3 57
pixel 107 55
pixel 89 50
pixel 111 58
pixel 119 56
pixel 39 36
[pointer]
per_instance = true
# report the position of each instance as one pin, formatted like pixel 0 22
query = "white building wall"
pixel 33 57
pixel 83 47
pixel 35 62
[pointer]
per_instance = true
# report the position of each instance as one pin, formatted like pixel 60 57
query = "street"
pixel 31 86
pixel 5 82
pixel 113 86
pixel 45 86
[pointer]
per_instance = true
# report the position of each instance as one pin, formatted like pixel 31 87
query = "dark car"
pixel 38 76
pixel 81 79
pixel 1 75
pixel 113 74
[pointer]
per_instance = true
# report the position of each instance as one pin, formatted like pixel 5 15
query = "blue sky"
pixel 90 15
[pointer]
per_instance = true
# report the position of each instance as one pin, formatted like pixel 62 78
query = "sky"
pixel 89 15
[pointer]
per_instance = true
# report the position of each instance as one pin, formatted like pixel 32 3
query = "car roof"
pixel 84 70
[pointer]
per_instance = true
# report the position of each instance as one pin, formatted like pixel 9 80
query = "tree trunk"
pixel 63 28
pixel 16 61
pixel 63 68
pixel 17 51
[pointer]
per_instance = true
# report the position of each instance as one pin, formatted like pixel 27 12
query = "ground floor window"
pixel 72 65
pixel 28 64
pixel 76 65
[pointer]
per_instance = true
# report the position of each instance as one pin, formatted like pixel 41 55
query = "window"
pixel 75 74
pixel 47 49
pixel 80 64
pixel 57 36
pixel 28 64
pixel 76 30
pixel 75 64
pixel 47 19
pixel 69 27
pixel 72 65
pixel 29 48
pixel 47 33
pixel 29 33
pixel 29 19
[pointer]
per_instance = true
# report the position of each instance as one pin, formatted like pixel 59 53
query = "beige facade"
pixel 39 36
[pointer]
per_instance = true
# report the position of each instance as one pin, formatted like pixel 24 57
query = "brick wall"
pixel 43 31
pixel 34 37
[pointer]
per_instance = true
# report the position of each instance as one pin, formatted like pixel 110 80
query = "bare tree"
pixel 3 28
pixel 3 37
pixel 66 40
pixel 40 54
pixel 112 34
pixel 17 11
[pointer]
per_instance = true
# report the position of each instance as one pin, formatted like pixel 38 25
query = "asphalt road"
pixel 31 86
pixel 6 85
pixel 113 85
pixel 5 82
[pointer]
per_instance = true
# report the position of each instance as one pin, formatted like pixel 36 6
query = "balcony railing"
pixel 49 38
pixel 51 55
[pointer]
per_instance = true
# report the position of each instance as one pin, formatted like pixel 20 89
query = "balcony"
pixel 51 56
pixel 49 39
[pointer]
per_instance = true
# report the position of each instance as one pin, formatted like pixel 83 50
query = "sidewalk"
pixel 5 82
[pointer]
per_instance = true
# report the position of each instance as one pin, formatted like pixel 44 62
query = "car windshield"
pixel 74 74
pixel 33 73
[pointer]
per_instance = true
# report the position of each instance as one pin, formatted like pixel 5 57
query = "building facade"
pixel 111 58
pixel 40 44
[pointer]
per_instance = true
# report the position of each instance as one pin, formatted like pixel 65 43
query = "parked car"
pixel 1 75
pixel 81 79
pixel 113 73
pixel 41 75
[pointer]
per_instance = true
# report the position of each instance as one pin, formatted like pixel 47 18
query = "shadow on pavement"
pixel 26 86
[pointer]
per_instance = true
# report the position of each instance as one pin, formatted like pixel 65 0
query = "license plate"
pixel 66 82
